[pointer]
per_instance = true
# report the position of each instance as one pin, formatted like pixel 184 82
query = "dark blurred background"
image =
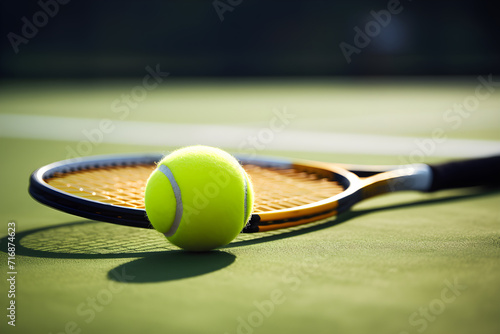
pixel 118 38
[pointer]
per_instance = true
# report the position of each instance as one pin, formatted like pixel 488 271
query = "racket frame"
pixel 414 177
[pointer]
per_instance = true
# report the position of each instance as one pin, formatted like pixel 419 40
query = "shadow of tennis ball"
pixel 172 265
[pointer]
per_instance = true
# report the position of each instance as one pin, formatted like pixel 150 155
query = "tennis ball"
pixel 199 197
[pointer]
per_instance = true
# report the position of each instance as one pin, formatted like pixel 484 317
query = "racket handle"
pixel 467 173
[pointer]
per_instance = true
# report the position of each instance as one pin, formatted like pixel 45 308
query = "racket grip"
pixel 467 173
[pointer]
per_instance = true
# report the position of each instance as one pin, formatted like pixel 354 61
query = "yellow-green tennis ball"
pixel 199 197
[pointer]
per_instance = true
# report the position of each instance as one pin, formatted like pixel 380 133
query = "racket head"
pixel 110 188
pixel 42 191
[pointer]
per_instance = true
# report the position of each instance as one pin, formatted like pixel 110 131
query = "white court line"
pixel 233 137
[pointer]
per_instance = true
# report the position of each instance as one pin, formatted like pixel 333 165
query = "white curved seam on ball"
pixel 245 199
pixel 178 200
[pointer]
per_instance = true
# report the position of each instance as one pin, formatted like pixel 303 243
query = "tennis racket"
pixel 287 192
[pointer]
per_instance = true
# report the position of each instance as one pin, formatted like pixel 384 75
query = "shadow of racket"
pixel 95 240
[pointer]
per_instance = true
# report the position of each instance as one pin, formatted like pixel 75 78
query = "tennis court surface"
pixel 400 263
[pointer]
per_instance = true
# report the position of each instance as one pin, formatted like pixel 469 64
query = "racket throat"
pixel 411 177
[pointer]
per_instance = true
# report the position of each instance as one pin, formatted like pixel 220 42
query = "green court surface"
pixel 399 263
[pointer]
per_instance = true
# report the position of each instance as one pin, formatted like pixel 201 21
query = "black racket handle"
pixel 467 173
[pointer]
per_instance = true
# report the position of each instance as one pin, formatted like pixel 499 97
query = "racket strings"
pixel 278 189
pixel 117 185
pixel 275 188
